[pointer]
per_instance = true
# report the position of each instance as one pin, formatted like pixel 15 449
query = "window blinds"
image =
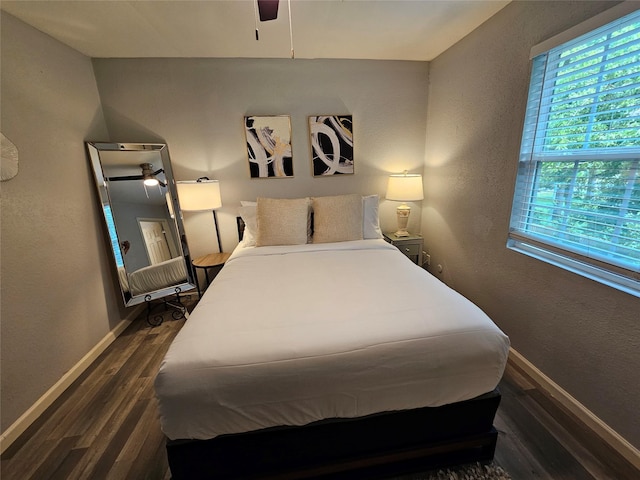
pixel 578 186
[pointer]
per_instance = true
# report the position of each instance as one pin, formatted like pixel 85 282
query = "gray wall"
pixel 58 291
pixel 197 107
pixel 583 335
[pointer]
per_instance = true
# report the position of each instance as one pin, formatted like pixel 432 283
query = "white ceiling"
pixel 356 29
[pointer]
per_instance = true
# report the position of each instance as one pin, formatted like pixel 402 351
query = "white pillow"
pixel 337 218
pixel 248 214
pixel 371 222
pixel 282 221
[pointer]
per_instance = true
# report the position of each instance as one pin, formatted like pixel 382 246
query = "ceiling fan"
pixel 148 175
pixel 266 10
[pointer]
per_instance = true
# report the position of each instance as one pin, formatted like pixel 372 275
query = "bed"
pixel 156 277
pixel 327 354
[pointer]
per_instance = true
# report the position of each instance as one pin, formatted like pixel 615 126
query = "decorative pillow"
pixel 371 222
pixel 282 221
pixel 249 217
pixel 337 218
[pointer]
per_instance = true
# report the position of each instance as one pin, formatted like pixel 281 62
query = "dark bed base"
pixel 376 446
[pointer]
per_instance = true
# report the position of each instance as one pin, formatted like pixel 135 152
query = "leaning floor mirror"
pixel 139 201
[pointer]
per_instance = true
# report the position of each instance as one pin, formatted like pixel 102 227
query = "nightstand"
pixel 411 246
pixel 206 262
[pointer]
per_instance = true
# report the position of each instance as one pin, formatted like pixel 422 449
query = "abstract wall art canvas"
pixel 331 144
pixel 269 146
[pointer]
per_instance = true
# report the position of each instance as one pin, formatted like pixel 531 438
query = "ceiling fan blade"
pixel 121 179
pixel 133 177
pixel 268 9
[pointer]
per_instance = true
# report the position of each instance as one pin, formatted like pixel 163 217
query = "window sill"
pixel 619 282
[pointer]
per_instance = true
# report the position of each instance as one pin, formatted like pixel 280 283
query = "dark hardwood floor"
pixel 106 425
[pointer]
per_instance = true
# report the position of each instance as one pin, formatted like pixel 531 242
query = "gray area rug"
pixel 476 471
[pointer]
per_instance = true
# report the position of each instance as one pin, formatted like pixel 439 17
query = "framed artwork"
pixel 331 144
pixel 269 146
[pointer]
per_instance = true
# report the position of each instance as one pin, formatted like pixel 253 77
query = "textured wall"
pixel 197 107
pixel 583 335
pixel 58 297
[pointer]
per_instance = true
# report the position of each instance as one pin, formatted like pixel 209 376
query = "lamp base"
pixel 402 213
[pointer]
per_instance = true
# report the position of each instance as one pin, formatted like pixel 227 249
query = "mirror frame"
pixel 94 150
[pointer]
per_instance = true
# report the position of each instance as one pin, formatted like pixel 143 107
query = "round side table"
pixel 206 262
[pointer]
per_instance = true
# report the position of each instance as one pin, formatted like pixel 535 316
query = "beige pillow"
pixel 337 218
pixel 282 221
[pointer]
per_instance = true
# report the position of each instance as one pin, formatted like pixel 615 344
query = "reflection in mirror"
pixel 139 201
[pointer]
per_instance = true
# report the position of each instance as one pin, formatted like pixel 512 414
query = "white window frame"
pixel 545 248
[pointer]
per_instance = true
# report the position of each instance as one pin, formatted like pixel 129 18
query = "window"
pixel 577 196
pixel 108 215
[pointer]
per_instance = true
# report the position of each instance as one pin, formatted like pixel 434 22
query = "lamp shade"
pixel 405 188
pixel 199 195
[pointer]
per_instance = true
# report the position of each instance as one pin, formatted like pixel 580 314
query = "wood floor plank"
pixel 152 459
pixel 102 381
pixel 160 350
pixel 53 418
pixel 558 463
pixel 513 455
pixel 55 458
pixel 62 416
pixel 106 425
pixel 63 472
pixel 83 418
pixel 587 442
pixel 121 349
pixel 130 452
pixel 27 460
pixel 113 414
pixel 99 467
pixel 116 389
pixel 594 466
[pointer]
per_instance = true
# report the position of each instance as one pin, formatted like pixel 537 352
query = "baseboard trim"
pixel 583 414
pixel 31 415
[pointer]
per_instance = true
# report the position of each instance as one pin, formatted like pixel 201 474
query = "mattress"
pixel 155 277
pixel 291 335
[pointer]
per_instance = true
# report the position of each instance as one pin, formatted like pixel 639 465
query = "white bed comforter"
pixel 290 335
pixel 155 277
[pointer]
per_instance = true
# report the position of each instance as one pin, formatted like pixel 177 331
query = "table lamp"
pixel 201 195
pixel 404 188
